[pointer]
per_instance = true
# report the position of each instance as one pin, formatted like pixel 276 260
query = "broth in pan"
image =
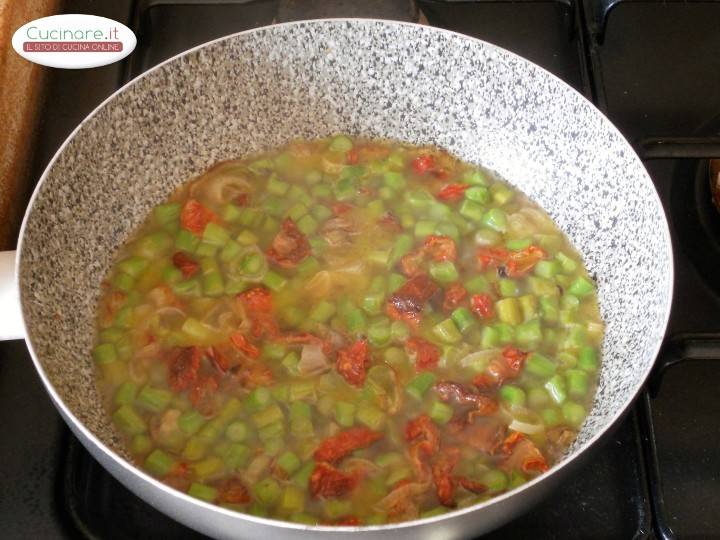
pixel 347 331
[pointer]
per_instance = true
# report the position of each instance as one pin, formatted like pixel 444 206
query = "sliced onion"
pixel 312 360
pixel 478 361
pixel 256 468
pixel 221 184
pixel 320 285
pixel 383 379
pixel 167 318
pixel 402 494
pixel 526 427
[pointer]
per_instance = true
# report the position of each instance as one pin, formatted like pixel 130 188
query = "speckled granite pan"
pixel 259 89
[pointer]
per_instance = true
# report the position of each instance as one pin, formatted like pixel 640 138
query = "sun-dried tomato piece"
pixel 454 295
pixel 352 156
pixel 458 394
pixel 482 305
pixel 471 485
pixel 258 303
pixel 507 366
pixel 187 265
pixel 390 222
pixel 290 245
pixel 424 439
pixel 202 392
pixel 423 164
pixel 218 359
pixel 520 452
pixel 194 217
pixel 327 481
pixel 353 362
pixel 442 470
pixel 257 299
pixel 408 301
pixel 411 264
pixel 440 248
pixel 452 192
pixel 521 262
pixel 183 366
pixel 340 208
pixel 514 358
pixel 335 448
pixel 489 257
pixel 241 342
pixel 233 491
pixel 426 354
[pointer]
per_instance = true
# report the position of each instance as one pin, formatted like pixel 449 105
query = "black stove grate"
pixel 652 66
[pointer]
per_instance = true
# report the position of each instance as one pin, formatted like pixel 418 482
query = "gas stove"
pixel 652 67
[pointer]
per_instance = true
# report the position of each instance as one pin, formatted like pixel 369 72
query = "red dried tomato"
pixel 422 428
pixel 452 192
pixel 489 257
pixel 218 359
pixel 482 306
pixel 233 491
pixel 258 303
pixel 340 208
pixel 411 264
pixel 241 343
pixel 521 262
pixel 185 264
pixel 442 470
pixel 290 245
pixel 408 301
pixel 194 217
pixel 425 441
pixel 353 362
pixel 471 485
pixel 458 394
pixel 514 358
pixel 423 164
pixel 327 481
pixel 454 295
pixel 352 156
pixel 440 248
pixel 183 366
pixel 518 448
pixel 335 448
pixel 257 299
pixel 427 355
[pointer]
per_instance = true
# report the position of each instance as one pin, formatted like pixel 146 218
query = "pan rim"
pixel 127 467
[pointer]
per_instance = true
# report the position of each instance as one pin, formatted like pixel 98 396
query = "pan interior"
pixel 260 89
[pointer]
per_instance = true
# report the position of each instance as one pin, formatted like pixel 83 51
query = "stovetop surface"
pixel 652 67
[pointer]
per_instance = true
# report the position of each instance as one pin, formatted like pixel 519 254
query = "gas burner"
pixel 693 211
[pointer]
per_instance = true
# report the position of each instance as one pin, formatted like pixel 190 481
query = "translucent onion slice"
pixel 478 361
pixel 526 427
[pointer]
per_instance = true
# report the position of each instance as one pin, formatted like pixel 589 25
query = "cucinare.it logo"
pixel 73 41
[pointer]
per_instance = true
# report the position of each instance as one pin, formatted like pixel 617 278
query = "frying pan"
pixel 259 89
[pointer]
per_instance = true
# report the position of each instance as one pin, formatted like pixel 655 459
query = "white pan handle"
pixel 11 326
